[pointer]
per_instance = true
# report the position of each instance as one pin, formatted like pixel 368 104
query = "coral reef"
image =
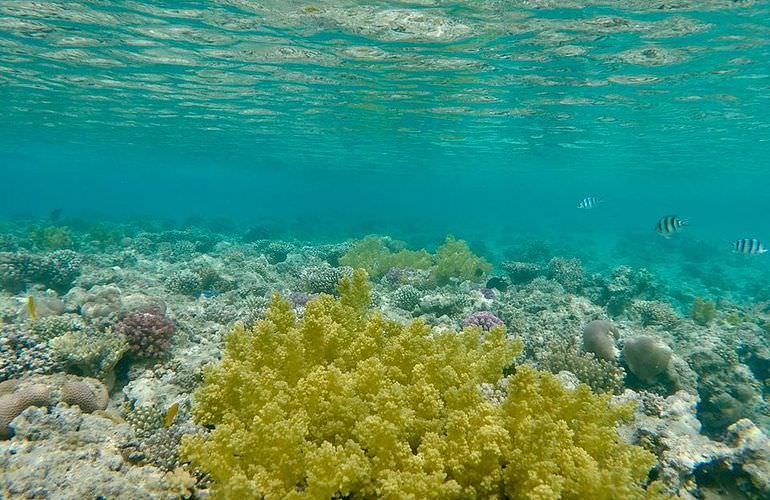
pixel 453 259
pixel 50 327
pixel 88 395
pixel 102 303
pixel 624 285
pixel 689 463
pixel 90 353
pixel 521 272
pixel 72 455
pixel 351 404
pixel 709 438
pixel 185 282
pixel 159 440
pixel 51 237
pixel 567 272
pixel 600 375
pixel 407 297
pixel 653 313
pixel 57 270
pixel 17 395
pixel 377 256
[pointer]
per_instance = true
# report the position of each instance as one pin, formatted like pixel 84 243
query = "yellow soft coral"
pixel 344 403
pixel 373 254
pixel 453 259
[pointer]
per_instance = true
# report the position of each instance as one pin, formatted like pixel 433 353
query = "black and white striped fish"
pixel 749 246
pixel 669 225
pixel 589 202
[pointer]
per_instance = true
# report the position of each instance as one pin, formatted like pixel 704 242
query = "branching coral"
pixel 654 312
pixel 599 374
pixel 324 279
pixel 484 319
pixel 148 334
pixel 343 403
pixel 567 272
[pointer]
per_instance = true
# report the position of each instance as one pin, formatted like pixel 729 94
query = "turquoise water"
pixel 447 115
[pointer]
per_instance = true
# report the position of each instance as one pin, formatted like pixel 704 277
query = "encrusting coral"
pixel 343 403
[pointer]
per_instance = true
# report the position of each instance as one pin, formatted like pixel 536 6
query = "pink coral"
pixel 148 334
pixel 485 319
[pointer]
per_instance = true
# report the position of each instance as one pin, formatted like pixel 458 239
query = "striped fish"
pixel 749 246
pixel 669 225
pixel 588 202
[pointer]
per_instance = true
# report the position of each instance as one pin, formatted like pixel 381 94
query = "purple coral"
pixel 299 299
pixel 485 319
pixel 487 293
pixel 395 275
pixel 148 333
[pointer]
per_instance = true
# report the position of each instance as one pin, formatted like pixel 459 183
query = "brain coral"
pixel 89 394
pixel 13 403
pixel 343 403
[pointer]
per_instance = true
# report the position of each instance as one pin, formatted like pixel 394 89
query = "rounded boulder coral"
pixel 148 334
pixel 598 339
pixel 647 357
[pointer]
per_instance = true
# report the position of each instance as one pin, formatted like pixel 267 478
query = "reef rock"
pixel 688 461
pixel 67 454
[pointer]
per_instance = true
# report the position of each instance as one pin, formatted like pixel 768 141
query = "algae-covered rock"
pixel 689 462
pixel 70 455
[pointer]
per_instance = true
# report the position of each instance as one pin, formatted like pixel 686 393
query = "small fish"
pixel 749 246
pixel 168 418
pixel 589 202
pixel 31 308
pixel 55 214
pixel 669 225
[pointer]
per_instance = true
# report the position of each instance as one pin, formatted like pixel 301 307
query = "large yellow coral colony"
pixel 342 403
